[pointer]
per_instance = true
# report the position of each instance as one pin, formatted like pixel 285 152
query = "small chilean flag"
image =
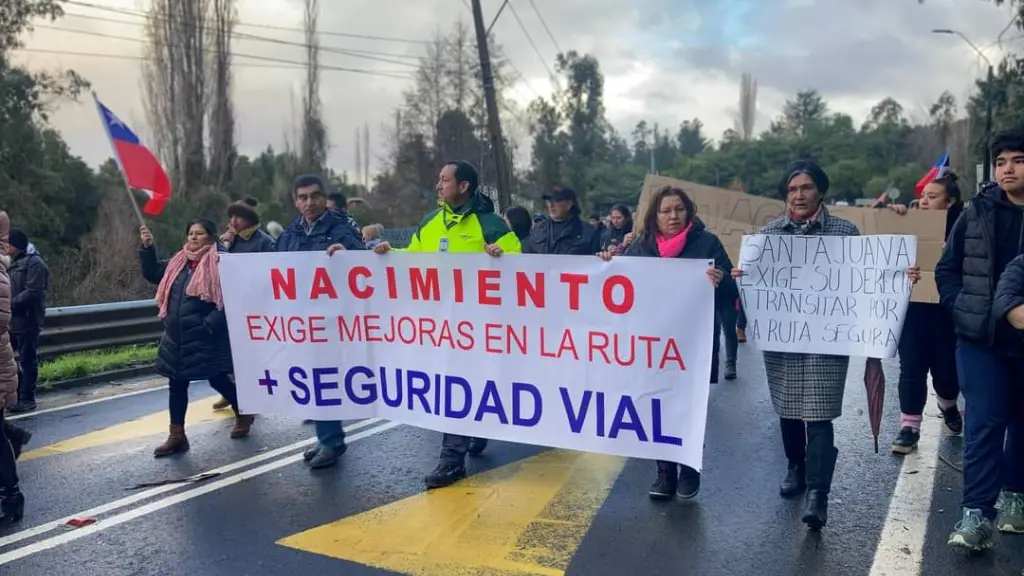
pixel 940 169
pixel 139 166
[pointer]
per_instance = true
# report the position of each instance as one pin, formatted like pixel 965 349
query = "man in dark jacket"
pixel 244 235
pixel 990 355
pixel 30 280
pixel 563 231
pixel 314 230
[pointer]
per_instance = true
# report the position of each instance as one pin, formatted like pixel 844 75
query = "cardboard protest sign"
pixel 505 348
pixel 731 215
pixel 841 295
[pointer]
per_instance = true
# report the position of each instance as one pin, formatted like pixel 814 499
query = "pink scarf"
pixel 205 282
pixel 672 247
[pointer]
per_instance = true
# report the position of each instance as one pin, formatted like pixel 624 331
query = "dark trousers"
pixel 454 448
pixel 928 343
pixel 800 437
pixel 741 316
pixel 8 467
pixel 993 425
pixel 728 329
pixel 26 344
pixel 177 399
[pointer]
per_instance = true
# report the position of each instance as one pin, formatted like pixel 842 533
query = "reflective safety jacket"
pixel 465 229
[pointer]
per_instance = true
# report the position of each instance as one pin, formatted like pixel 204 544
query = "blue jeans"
pixel 330 434
pixel 993 425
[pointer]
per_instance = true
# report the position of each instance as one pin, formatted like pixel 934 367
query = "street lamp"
pixel 987 167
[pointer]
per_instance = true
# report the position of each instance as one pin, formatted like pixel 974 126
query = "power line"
pixel 529 39
pixel 389 73
pixel 297 66
pixel 545 25
pixel 519 74
pixel 254 37
pixel 250 25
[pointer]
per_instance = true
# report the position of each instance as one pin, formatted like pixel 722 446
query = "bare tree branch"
pixel 313 150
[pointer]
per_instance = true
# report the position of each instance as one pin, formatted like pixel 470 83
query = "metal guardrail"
pixel 69 329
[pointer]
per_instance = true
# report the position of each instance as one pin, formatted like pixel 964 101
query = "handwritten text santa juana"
pixel 614 294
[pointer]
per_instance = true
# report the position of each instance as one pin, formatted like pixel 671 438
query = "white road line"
pixel 138 497
pixel 85 403
pixel 900 549
pixel 158 505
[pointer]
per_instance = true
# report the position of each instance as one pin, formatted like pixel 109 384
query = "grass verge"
pixel 81 364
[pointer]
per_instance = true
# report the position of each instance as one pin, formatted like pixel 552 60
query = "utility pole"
pixel 504 183
pixel 987 167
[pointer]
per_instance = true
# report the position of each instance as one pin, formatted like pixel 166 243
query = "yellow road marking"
pixel 199 412
pixel 528 517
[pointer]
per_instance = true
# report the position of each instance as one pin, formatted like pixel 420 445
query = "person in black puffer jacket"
pixel 563 231
pixel 30 281
pixel 195 343
pixel 990 355
pixel 672 230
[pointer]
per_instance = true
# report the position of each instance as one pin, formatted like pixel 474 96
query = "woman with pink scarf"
pixel 195 344
pixel 671 229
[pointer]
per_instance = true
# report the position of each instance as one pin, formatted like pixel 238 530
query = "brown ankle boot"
pixel 222 404
pixel 176 442
pixel 242 425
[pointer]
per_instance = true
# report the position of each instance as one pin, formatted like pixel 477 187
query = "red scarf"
pixel 672 247
pixel 205 282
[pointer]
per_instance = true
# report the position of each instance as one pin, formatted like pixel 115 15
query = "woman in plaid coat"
pixel 807 389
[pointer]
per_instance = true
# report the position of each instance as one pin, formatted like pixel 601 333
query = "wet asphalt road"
pixel 526 510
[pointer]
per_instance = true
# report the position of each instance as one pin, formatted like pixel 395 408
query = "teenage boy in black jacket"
pixel 989 354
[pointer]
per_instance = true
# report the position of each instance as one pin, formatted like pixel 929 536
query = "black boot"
pixel 821 463
pixel 446 474
pixel 795 481
pixel 12 505
pixel 668 479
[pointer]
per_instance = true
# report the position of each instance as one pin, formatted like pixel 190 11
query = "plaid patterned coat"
pixel 808 386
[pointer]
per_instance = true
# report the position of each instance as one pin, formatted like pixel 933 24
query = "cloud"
pixel 663 60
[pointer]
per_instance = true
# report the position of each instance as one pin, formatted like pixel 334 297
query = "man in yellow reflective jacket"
pixel 464 221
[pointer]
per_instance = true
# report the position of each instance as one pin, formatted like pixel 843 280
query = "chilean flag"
pixel 139 166
pixel 940 169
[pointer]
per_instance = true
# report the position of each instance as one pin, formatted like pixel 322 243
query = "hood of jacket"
pixel 995 197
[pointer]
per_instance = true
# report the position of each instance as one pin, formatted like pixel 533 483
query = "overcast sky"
pixel 663 60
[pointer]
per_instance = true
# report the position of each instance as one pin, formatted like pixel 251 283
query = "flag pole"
pixel 117 159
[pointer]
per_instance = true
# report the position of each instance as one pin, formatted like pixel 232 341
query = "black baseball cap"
pixel 560 194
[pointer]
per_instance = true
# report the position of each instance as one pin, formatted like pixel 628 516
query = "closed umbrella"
pixel 874 384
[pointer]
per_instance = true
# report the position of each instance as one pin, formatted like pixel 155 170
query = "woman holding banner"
pixel 671 229
pixel 807 389
pixel 928 340
pixel 195 343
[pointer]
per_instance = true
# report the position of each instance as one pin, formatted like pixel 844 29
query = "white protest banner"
pixel 567 352
pixel 842 295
